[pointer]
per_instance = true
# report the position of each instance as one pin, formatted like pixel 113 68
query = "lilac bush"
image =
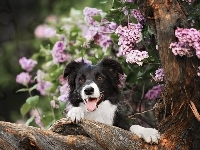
pixel 90 35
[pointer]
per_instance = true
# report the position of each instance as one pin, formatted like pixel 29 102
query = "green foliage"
pixel 69 30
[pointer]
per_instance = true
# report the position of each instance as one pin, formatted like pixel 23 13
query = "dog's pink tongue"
pixel 91 105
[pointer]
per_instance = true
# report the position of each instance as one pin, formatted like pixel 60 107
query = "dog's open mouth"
pixel 92 103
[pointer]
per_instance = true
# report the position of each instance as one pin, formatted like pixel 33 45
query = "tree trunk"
pixel 176 120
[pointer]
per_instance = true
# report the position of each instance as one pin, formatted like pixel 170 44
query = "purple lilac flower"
pixel 53 104
pixel 27 64
pixel 154 93
pixel 159 75
pixel 23 78
pixel 58 53
pixel 137 14
pixel 64 92
pixel 44 31
pixel 128 37
pixel 43 86
pixel 98 31
pixel 89 13
pixel 187 38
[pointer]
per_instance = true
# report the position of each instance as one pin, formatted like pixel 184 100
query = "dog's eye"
pixel 81 80
pixel 99 78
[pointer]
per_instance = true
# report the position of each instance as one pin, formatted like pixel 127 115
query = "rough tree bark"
pixel 177 123
pixel 176 120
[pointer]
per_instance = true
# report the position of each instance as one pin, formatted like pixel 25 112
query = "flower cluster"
pixel 24 78
pixel 58 53
pixel 137 14
pixel 154 93
pixel 128 37
pixel 43 86
pixel 100 30
pixel 187 38
pixel 44 31
pixel 159 75
pixel 27 64
pixel 136 56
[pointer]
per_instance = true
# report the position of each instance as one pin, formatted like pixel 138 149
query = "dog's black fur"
pixel 106 76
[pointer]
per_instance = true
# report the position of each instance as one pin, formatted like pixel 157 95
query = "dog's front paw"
pixel 76 114
pixel 150 135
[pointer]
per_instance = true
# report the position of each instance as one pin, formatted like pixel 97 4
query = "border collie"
pixel 94 95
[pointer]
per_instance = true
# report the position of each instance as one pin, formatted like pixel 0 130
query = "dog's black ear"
pixel 114 70
pixel 71 71
pixel 112 66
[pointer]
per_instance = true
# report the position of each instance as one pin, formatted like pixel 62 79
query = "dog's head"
pixel 94 83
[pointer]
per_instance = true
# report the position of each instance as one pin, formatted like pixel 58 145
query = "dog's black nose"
pixel 89 91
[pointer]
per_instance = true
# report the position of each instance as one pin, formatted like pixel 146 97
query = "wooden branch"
pixel 66 135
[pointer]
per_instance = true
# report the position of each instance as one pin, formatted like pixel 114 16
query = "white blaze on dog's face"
pixel 91 95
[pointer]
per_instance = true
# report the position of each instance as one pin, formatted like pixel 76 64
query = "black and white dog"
pixel 94 95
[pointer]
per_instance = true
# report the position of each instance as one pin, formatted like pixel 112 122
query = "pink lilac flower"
pixel 80 59
pixel 23 78
pixel 44 31
pixel 136 56
pixel 43 86
pixel 53 104
pixel 62 80
pixel 128 37
pixel 36 114
pixel 27 64
pixel 64 92
pixel 187 38
pixel 89 13
pixel 159 75
pixel 180 49
pixel 137 14
pixel 154 93
pixel 99 32
pixel 58 52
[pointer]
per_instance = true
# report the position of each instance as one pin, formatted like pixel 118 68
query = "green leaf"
pixel 29 121
pixel 97 18
pixel 24 109
pixel 22 90
pixel 33 87
pixel 32 101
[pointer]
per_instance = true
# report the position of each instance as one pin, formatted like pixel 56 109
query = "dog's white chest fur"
pixel 105 113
